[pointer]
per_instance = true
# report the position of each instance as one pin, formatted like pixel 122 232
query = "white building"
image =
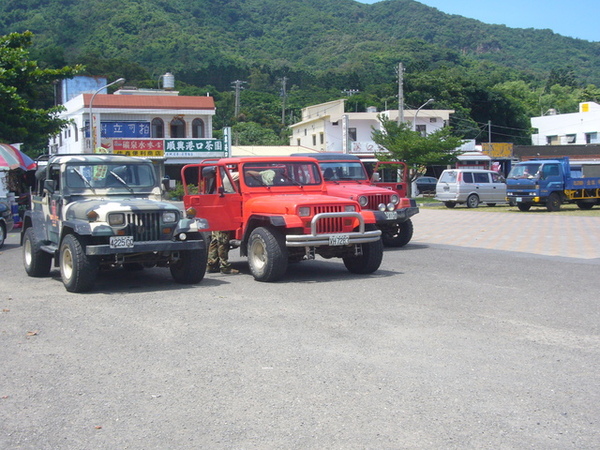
pixel 326 127
pixel 578 128
pixel 147 123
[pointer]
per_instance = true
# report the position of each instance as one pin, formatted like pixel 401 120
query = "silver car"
pixel 470 187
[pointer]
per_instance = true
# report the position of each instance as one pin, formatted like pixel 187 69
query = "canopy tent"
pixel 12 158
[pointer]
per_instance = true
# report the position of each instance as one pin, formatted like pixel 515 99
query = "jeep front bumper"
pixel 145 247
pixel 397 216
pixel 317 240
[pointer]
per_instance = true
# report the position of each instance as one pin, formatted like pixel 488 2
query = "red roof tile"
pixel 149 102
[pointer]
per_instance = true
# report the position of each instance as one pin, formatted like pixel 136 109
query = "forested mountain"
pixel 319 47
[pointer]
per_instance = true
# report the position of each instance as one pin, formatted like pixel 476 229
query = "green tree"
pixel 24 116
pixel 398 142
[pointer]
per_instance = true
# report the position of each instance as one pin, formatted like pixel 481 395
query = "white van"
pixel 470 186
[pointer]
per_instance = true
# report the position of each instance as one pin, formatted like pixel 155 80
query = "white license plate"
pixel 391 215
pixel 519 199
pixel 121 242
pixel 342 239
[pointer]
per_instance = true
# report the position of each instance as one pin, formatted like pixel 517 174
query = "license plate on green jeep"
pixel 121 242
pixel 342 239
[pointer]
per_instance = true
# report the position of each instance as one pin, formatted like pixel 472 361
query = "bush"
pixel 176 194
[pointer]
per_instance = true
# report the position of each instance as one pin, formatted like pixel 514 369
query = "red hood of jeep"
pixel 349 189
pixel 288 203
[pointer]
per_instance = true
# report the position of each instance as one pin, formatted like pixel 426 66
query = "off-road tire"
pixel 267 254
pixel 190 267
pixel 472 201
pixel 77 270
pixel 36 261
pixel 398 235
pixel 369 261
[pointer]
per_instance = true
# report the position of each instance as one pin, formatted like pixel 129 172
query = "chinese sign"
pixel 184 148
pixel 123 129
pixel 139 147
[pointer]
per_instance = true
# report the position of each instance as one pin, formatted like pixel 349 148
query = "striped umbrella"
pixel 13 158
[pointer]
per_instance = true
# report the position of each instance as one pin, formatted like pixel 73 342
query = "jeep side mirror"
pixel 50 186
pixel 375 178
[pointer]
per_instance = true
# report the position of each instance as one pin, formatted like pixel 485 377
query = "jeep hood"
pixel 287 204
pixel 79 209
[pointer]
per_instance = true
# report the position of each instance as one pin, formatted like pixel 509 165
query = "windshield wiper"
pixel 121 180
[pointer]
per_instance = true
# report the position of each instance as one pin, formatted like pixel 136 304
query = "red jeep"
pixel 345 176
pixel 278 211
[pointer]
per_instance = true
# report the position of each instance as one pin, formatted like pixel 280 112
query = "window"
pixel 158 128
pixel 591 138
pixel 432 119
pixel 552 140
pixel 177 128
pixel 314 137
pixel 421 129
pixel 352 134
pixel 197 128
pixel 481 177
pixel 571 138
pixel 322 138
pixel 468 177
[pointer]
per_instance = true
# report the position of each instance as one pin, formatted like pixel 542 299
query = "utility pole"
pixel 283 95
pixel 238 87
pixel 489 131
pixel 400 94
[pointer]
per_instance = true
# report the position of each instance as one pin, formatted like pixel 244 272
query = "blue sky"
pixel 575 18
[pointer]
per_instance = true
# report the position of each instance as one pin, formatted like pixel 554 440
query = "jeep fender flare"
pixel 79 227
pixel 31 217
pixel 259 220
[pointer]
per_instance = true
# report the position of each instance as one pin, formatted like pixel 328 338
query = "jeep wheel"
pixel 267 254
pixel 78 271
pixel 190 267
pixel 398 235
pixel 37 262
pixel 2 234
pixel 369 261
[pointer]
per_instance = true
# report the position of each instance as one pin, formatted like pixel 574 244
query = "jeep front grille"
pixel 144 226
pixel 330 224
pixel 376 200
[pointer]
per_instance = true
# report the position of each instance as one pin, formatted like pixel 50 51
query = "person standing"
pixel 218 254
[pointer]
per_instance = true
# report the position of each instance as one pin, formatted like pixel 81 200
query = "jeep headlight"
pixel 363 201
pixel 116 219
pixel 169 217
pixel 381 207
pixel 391 206
pixel 350 208
pixel 304 211
pixel 395 199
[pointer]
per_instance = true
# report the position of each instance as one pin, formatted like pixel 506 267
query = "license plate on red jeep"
pixel 121 242
pixel 341 239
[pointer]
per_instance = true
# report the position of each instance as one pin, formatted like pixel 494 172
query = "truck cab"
pixel 277 210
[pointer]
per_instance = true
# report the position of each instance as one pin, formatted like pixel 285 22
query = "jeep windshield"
pixel 115 177
pixel 286 173
pixel 343 170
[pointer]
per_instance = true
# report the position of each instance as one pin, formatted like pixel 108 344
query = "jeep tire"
pixel 398 235
pixel 190 267
pixel 37 262
pixel 267 254
pixel 369 261
pixel 78 271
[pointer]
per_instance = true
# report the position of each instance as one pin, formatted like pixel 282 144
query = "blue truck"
pixel 551 183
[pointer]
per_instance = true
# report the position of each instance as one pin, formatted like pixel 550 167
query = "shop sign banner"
pixel 183 148
pixel 123 129
pixel 139 147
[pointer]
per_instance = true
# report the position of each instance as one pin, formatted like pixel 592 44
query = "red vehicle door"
pixel 218 199
pixel 391 175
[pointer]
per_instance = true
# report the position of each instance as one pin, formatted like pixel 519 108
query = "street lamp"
pixel 92 133
pixel 417 112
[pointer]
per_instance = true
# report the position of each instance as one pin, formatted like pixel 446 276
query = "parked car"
pixel 426 185
pixel 6 221
pixel 470 186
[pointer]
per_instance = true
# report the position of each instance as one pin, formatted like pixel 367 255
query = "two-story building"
pixel 327 127
pixel 151 123
pixel 582 127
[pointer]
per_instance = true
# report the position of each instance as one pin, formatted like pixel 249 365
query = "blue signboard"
pixel 123 129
